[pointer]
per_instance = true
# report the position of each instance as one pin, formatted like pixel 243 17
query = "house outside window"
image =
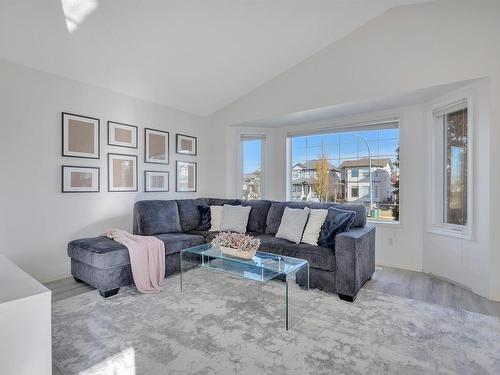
pixel 252 151
pixel 336 168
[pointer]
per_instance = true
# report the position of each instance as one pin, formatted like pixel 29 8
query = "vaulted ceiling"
pixel 196 56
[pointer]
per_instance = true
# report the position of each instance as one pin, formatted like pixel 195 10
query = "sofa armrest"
pixel 355 259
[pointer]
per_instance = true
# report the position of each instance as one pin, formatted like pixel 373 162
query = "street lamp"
pixel 369 170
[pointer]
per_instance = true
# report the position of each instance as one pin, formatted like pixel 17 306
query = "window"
pixel 451 175
pixel 252 150
pixel 340 161
pixel 455 171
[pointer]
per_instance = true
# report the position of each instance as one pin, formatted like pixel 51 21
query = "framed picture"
pixel 122 172
pixel 80 179
pixel 156 146
pixel 80 136
pixel 122 135
pixel 156 181
pixel 186 176
pixel 185 144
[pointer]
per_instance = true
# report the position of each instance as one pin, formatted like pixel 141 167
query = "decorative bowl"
pixel 237 253
pixel 237 245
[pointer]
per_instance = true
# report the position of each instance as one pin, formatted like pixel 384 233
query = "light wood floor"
pixel 402 283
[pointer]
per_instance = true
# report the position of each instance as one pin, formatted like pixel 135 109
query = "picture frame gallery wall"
pixel 81 139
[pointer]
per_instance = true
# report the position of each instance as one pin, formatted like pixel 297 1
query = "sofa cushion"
pixel 215 218
pixel 258 215
pixel 292 224
pixel 313 227
pixel 175 242
pixel 207 235
pixel 337 221
pixel 276 212
pixel 319 257
pixel 205 218
pixel 234 218
pixel 277 209
pixel 189 213
pixel 271 244
pixel 222 202
pixel 156 217
pixel 102 252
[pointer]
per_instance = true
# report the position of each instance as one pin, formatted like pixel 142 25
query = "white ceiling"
pixel 197 56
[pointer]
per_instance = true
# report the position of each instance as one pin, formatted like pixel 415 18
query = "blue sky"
pixel 251 155
pixel 338 147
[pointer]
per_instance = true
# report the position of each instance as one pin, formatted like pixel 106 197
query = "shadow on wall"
pixel 99 228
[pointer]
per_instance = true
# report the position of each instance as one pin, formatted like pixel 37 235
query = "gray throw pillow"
pixel 292 224
pixel 234 218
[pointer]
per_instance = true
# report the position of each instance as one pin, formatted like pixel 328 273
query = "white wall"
pixel 36 220
pixel 397 245
pixel 466 261
pixel 406 49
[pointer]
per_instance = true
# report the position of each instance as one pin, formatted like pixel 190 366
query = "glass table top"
pixel 262 267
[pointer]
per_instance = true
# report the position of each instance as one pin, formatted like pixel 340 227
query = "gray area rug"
pixel 225 325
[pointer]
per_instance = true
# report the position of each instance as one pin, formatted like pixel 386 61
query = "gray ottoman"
pixel 105 264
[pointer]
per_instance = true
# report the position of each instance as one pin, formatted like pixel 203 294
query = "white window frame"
pixel 252 137
pixel 435 166
pixel 360 123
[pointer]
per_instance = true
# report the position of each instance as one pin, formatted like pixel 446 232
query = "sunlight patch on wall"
pixel 75 12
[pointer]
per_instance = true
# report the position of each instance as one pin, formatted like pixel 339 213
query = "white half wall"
pixel 36 219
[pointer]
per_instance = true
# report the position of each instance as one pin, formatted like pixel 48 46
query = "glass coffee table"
pixel 263 267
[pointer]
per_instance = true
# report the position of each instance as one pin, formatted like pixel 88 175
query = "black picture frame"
pixel 155 191
pixel 195 139
pixel 177 176
pixel 63 154
pixel 136 174
pixel 136 128
pixel 80 167
pixel 146 148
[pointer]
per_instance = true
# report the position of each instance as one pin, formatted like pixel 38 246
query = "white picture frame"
pixel 186 145
pixel 122 173
pixel 80 136
pixel 156 146
pixel 122 135
pixel 77 179
pixel 156 181
pixel 186 176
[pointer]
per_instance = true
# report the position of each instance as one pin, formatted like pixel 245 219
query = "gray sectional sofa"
pixel 343 269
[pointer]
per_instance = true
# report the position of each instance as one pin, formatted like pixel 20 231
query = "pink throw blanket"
pixel 147 258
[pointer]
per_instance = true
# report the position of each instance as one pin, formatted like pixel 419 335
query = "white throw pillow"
pixel 235 218
pixel 313 227
pixel 216 218
pixel 292 224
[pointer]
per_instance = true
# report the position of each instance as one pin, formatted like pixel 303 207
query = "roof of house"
pixel 311 164
pixel 365 162
pixel 255 174
pixel 304 181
